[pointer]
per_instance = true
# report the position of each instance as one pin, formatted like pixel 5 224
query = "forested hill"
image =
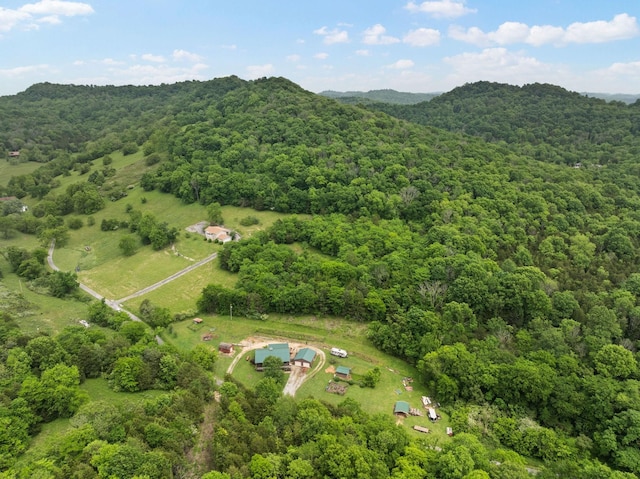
pixel 541 120
pixel 48 118
pixel 383 96
pixel 505 270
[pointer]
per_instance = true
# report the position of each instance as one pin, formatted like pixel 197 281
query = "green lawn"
pixel 7 170
pixel 180 295
pixel 324 333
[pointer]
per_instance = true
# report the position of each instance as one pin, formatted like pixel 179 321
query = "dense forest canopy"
pixel 490 237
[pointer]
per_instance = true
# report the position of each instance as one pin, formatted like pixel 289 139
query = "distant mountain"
pixel 379 96
pixel 625 98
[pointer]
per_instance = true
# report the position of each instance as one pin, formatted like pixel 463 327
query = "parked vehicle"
pixel 341 353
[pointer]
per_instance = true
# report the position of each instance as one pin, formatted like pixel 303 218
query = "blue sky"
pixel 415 46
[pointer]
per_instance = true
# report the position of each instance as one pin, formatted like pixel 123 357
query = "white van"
pixel 341 353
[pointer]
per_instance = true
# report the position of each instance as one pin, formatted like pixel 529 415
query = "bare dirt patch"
pixel 330 370
pixel 297 376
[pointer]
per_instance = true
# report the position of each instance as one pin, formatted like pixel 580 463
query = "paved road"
pixel 169 278
pixel 116 304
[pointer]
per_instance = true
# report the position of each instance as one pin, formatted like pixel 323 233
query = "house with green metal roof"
pixel 343 372
pixel 278 350
pixel 304 357
pixel 401 408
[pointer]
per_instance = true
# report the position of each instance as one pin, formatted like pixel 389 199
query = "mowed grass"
pixel 7 170
pixel 324 332
pixel 181 294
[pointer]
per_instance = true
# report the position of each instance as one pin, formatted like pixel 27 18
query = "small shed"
pixel 304 357
pixel 14 154
pixel 449 431
pixel 343 372
pixel 401 408
pixel 225 348
pixel 197 320
pixel 420 429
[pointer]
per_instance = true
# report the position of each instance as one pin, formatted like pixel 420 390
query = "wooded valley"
pixel 489 237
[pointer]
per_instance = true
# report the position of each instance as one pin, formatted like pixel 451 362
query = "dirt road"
pixel 297 376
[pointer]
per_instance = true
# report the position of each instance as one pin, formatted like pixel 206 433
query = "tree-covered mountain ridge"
pixel 508 278
pixel 541 120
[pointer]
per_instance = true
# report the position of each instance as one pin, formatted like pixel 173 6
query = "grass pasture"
pixel 324 333
pixel 8 169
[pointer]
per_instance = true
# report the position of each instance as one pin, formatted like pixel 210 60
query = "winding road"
pixel 116 304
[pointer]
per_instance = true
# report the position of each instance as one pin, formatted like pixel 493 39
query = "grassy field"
pixel 323 333
pixel 7 170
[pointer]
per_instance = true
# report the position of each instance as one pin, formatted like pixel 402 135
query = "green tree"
pixel 130 374
pixel 614 361
pixel 128 245
pixel 214 214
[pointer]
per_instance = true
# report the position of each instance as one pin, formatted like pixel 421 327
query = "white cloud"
pixel 110 61
pixel 230 47
pixel 375 35
pixel 26 70
pixel 259 71
pixel 502 65
pixel 183 55
pixel 363 53
pixel 57 7
pixel 45 11
pixel 620 27
pixel 332 36
pixel 293 58
pixel 402 65
pixel 631 68
pixel 321 56
pixel 51 19
pixel 153 58
pixel 440 8
pixel 11 18
pixel 422 37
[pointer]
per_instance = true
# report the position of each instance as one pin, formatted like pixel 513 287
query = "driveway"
pixel 297 376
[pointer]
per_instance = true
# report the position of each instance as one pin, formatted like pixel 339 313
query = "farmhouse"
pixel 304 357
pixel 343 372
pixel 279 350
pixel 401 408
pixel 225 348
pixel 213 233
pixel 17 205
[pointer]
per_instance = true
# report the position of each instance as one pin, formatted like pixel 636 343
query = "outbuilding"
pixel 343 372
pixel 304 357
pixel 401 408
pixel 225 348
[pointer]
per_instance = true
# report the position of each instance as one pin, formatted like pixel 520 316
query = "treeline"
pixel 260 434
pixel 41 381
pixel 543 121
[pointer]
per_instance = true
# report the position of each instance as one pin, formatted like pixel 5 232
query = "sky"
pixel 341 45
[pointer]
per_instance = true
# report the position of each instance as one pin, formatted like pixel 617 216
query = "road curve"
pixel 116 304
